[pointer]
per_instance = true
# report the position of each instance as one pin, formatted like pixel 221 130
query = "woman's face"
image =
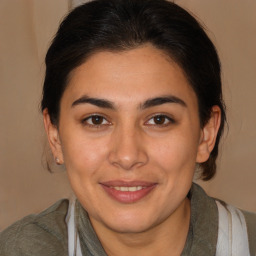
pixel 130 137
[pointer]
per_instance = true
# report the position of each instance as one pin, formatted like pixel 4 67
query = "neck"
pixel 166 238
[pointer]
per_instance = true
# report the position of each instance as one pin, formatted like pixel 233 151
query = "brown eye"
pixel 159 120
pixel 95 120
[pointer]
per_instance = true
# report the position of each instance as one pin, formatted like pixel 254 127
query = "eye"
pixel 160 120
pixel 95 120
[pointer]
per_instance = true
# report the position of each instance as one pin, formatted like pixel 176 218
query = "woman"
pixel 132 106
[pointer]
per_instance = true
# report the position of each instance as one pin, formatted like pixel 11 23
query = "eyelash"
pixel 106 122
pixel 167 121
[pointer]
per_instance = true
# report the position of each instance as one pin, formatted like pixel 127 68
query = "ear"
pixel 208 135
pixel 53 138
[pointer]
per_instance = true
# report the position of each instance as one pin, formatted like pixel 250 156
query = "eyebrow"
pixel 162 100
pixel 103 103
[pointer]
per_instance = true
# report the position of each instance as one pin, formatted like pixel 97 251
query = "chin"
pixel 130 227
pixel 130 223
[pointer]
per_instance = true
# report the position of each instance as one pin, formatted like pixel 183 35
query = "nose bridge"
pixel 127 149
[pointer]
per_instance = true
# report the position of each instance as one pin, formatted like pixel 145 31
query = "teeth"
pixel 135 188
pixel 130 189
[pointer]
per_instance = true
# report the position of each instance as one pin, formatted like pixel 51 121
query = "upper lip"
pixel 121 183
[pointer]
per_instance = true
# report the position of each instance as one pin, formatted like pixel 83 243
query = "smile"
pixel 130 189
pixel 128 192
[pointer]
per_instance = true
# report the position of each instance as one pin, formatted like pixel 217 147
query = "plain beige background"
pixel 26 29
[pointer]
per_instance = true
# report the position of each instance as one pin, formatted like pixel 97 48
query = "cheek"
pixel 84 156
pixel 176 154
pixel 83 160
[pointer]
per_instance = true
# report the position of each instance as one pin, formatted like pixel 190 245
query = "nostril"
pixel 128 162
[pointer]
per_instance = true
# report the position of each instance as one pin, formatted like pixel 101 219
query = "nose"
pixel 128 150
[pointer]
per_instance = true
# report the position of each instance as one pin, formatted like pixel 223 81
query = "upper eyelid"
pixel 168 116
pixel 96 114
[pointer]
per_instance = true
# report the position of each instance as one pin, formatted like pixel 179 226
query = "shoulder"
pixel 250 219
pixel 41 234
pixel 223 215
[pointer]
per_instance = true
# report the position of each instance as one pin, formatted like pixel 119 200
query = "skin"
pixel 127 142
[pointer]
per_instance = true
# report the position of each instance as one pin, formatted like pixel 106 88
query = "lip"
pixel 127 196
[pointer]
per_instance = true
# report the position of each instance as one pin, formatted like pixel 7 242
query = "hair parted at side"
pixel 118 25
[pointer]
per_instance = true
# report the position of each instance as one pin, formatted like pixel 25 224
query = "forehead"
pixel 137 74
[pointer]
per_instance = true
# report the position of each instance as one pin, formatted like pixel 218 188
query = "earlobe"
pixel 209 135
pixel 53 138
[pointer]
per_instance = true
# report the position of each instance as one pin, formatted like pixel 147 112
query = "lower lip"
pixel 128 196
